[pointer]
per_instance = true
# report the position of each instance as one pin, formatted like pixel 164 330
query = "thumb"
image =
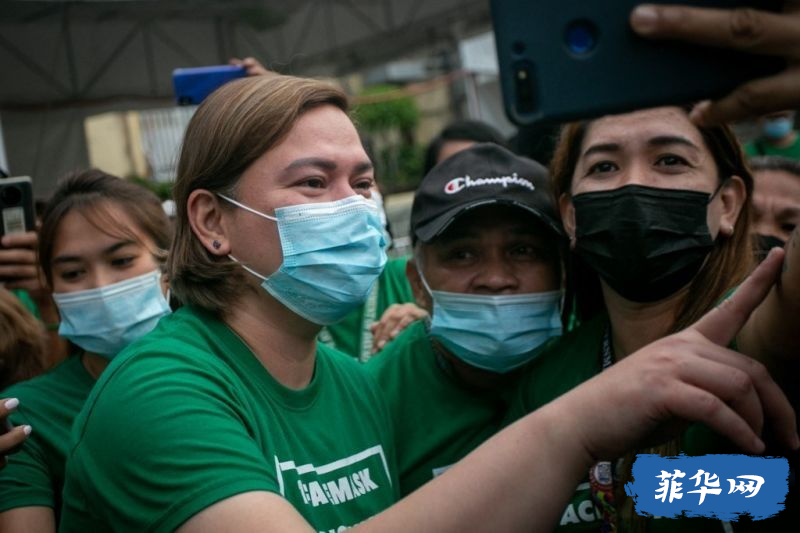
pixel 721 324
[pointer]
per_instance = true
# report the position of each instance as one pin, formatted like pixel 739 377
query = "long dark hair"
pixel 729 262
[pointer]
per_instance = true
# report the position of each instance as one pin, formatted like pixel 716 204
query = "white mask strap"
pixel 250 209
pixel 247 268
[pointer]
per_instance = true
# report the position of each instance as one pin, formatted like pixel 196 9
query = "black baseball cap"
pixel 483 174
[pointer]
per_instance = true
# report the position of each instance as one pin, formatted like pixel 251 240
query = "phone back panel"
pixel 562 60
pixel 16 205
pixel 193 85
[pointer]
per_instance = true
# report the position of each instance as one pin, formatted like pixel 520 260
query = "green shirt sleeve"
pixel 49 403
pixel 174 433
pixel 26 480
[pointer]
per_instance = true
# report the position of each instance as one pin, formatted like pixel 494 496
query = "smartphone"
pixel 193 85
pixel 562 60
pixel 16 205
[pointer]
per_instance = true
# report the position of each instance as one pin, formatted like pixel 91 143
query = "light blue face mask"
pixel 107 319
pixel 378 199
pixel 332 254
pixel 496 333
pixel 777 128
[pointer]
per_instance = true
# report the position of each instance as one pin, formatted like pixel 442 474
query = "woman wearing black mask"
pixel 657 211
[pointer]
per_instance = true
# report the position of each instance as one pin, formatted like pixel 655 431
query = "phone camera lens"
pixel 581 37
pixel 11 195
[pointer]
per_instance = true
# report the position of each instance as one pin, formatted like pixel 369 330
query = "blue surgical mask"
pixel 107 319
pixel 333 252
pixel 378 199
pixel 777 128
pixel 495 333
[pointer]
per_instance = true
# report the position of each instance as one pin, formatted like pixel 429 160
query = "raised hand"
pixel 688 376
pixel 748 30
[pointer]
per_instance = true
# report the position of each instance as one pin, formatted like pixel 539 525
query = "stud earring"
pixel 216 245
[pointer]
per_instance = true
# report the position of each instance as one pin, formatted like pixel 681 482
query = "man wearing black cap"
pixel 486 266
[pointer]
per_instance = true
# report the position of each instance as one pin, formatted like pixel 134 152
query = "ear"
pixel 732 197
pixel 205 217
pixel 164 282
pixel 421 295
pixel 567 217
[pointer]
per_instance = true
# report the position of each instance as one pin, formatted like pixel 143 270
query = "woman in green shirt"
pixel 230 416
pixel 657 211
pixel 101 246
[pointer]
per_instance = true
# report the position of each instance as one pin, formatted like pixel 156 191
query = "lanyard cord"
pixel 369 316
pixel 603 475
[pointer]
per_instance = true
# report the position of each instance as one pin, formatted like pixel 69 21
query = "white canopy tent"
pixel 65 60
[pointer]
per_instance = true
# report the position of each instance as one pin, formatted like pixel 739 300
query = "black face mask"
pixel 644 242
pixel 762 244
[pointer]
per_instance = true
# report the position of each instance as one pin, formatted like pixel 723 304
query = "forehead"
pixel 320 128
pixel 640 126
pixel 81 228
pixel 779 184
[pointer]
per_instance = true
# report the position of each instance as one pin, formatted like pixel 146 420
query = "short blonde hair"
pixel 235 126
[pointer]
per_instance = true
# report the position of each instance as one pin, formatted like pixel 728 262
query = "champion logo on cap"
pixel 459 184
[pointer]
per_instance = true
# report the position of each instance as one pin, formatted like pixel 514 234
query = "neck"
pixel 634 324
pixel 94 364
pixel 783 142
pixel 283 342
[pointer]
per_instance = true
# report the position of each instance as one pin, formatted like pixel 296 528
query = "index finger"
pixel 721 324
pixel 744 29
pixel 20 240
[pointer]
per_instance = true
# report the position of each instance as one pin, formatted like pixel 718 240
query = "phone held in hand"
pixel 193 85
pixel 566 60
pixel 16 205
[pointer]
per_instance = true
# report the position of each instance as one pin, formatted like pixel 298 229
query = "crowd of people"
pixel 258 363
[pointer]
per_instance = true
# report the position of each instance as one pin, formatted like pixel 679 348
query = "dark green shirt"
pixel 352 335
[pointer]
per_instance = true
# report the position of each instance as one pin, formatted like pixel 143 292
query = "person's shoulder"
pixel 396 266
pixel 183 352
pixel 750 149
pixel 584 341
pixel 394 276
pixel 573 357
pixel 410 342
pixel 40 387
pixel 337 358
pixel 188 326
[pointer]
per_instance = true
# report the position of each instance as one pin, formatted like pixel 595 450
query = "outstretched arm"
pixel 543 456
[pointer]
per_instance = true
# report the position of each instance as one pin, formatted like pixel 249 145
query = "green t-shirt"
pixel 571 360
pixel 760 147
pixel 49 403
pixel 352 335
pixel 437 420
pixel 23 296
pixel 187 416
